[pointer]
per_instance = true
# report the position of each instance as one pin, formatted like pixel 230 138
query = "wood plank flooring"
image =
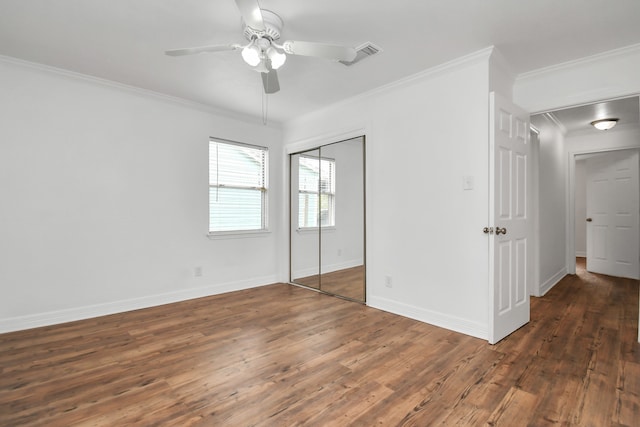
pixel 348 282
pixel 281 355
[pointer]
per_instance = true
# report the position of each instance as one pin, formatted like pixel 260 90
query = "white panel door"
pixel 612 214
pixel 510 215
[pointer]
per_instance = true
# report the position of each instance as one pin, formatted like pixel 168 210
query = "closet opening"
pixel 327 219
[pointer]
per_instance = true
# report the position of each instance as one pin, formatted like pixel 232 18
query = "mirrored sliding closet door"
pixel 327 230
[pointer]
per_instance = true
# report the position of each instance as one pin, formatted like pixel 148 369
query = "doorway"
pixel 565 134
pixel 606 208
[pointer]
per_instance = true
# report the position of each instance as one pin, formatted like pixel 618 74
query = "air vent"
pixel 363 51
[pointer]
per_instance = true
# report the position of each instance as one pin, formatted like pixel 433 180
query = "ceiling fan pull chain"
pixel 265 107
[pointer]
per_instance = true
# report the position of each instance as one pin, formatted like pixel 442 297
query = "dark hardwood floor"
pixel 282 355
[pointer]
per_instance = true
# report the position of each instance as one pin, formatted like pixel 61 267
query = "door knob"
pixel 501 230
pixel 589 219
pixel 487 230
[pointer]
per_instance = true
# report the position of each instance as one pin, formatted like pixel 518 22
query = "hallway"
pixel 583 356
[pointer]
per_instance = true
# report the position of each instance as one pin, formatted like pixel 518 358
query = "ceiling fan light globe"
pixel 251 55
pixel 261 67
pixel 277 58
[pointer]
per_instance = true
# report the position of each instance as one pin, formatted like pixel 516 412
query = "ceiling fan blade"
pixel 270 82
pixel 251 14
pixel 201 49
pixel 320 50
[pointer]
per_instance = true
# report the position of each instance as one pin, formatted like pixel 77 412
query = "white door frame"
pixel 571 200
pixel 535 211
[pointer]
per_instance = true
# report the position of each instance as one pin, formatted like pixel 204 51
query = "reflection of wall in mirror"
pixel 304 243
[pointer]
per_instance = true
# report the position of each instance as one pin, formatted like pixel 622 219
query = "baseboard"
pixel 552 281
pixel 580 254
pixel 86 312
pixel 435 318
pixel 342 265
pixel 306 272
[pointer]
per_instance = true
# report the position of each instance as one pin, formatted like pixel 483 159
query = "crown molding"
pixel 461 62
pixel 620 52
pixel 429 73
pixel 550 117
pixel 73 75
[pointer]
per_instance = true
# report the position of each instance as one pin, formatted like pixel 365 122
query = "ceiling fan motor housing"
pixel 273 26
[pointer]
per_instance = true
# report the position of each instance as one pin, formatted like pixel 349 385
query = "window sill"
pixel 222 235
pixel 315 230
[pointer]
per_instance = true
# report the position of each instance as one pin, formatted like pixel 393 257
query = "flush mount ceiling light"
pixel 604 124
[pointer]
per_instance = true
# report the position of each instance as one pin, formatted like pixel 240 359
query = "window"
pixel 316 192
pixel 237 186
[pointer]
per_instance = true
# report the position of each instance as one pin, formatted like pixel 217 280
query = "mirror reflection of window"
pixel 316 192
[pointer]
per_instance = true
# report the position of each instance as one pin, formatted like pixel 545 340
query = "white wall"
pixel 617 138
pixel 104 200
pixel 552 207
pixel 424 135
pixel 608 75
pixel 580 208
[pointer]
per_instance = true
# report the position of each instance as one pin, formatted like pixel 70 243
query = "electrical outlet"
pixel 197 271
pixel 388 282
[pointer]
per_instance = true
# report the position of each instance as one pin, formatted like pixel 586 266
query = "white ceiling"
pixel 124 41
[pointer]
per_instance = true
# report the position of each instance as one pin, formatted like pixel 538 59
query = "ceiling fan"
pixel 262 28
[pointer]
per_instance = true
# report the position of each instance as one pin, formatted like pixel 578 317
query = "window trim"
pixel 242 233
pixel 314 230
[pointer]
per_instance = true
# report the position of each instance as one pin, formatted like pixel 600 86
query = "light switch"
pixel 467 182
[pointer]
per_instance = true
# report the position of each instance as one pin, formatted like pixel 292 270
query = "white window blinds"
pixel 237 186
pixel 316 192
